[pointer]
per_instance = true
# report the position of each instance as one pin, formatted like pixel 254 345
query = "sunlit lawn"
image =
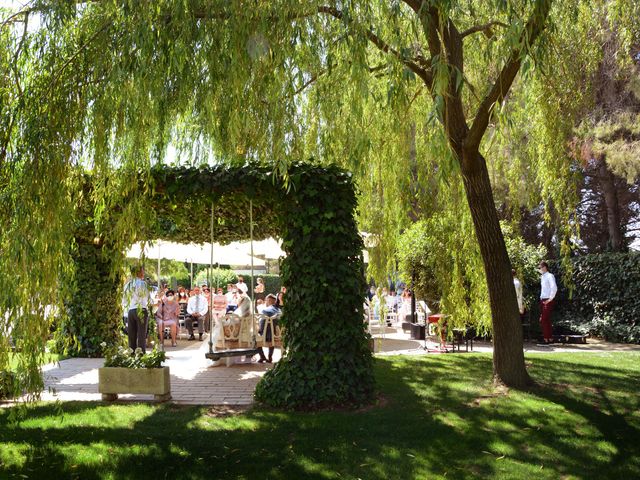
pixel 438 418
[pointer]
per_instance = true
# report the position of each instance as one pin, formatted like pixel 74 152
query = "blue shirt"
pixel 271 311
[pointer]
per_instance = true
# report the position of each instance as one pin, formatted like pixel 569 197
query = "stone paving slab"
pixel 194 379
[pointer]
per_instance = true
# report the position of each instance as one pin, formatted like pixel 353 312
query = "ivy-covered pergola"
pixel 327 359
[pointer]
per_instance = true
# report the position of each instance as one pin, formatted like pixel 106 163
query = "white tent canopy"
pixel 194 253
pixel 269 248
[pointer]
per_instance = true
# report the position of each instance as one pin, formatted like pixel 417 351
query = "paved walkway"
pixel 395 342
pixel 194 379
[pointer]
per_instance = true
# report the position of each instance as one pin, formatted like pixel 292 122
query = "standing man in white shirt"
pixel 548 291
pixel 242 287
pixel 197 309
pixel 136 297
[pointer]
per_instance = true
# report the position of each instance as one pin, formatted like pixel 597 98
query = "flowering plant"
pixel 126 357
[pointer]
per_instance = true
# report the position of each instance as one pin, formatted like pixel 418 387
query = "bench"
pixel 571 339
pixel 235 336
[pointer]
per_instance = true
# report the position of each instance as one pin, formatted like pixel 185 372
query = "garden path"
pixel 396 342
pixel 194 381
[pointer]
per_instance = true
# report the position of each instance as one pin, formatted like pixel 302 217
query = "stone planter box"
pixel 115 380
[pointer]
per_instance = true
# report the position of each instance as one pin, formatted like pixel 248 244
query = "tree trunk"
pixel 607 183
pixel 508 354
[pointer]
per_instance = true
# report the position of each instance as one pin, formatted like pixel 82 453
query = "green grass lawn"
pixel 438 418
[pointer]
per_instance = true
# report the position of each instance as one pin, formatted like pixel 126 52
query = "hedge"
pixel 222 277
pixel 93 312
pixel 605 298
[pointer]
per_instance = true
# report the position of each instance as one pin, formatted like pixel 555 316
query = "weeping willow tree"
pixel 402 92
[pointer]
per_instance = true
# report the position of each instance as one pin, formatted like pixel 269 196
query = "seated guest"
pixel 167 316
pixel 244 305
pixel 219 304
pixel 232 301
pixel 270 310
pixel 280 298
pixel 196 310
pixel 260 306
pixel 183 299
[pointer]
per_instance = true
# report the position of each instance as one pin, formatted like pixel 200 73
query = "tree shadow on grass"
pixel 606 398
pixel 440 417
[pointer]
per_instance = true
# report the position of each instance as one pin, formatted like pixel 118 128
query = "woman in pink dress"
pixel 219 304
pixel 167 316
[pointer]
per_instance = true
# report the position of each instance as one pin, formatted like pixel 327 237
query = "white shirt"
pixel 197 304
pixel 548 286
pixel 392 301
pixel 231 298
pixel 136 294
pixel 518 287
pixel 242 287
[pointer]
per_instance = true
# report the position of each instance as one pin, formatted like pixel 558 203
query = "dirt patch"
pixel 498 391
pixel 222 411
pixel 380 402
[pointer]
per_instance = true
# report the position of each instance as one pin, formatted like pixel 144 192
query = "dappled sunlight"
pixel 252 374
pixel 116 416
pixel 14 455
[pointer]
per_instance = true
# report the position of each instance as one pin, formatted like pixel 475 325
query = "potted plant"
pixel 128 371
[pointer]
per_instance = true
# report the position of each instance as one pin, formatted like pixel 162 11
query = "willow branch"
pixel 14 18
pixel 483 28
pixel 14 61
pixel 534 27
pixel 88 42
pixel 416 65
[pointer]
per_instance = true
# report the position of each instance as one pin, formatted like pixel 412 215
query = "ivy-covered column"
pixel 93 313
pixel 327 361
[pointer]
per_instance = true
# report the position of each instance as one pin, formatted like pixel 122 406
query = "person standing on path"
pixel 270 311
pixel 137 297
pixel 548 290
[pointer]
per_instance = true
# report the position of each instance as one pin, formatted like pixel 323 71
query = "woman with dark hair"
pixel 280 298
pixel 183 299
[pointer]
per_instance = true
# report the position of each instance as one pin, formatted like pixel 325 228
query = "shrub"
pixel 7 381
pixel 605 298
pixel 219 277
pixel 119 356
pixel 223 276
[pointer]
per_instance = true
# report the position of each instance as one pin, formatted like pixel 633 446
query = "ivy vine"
pixel 327 360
